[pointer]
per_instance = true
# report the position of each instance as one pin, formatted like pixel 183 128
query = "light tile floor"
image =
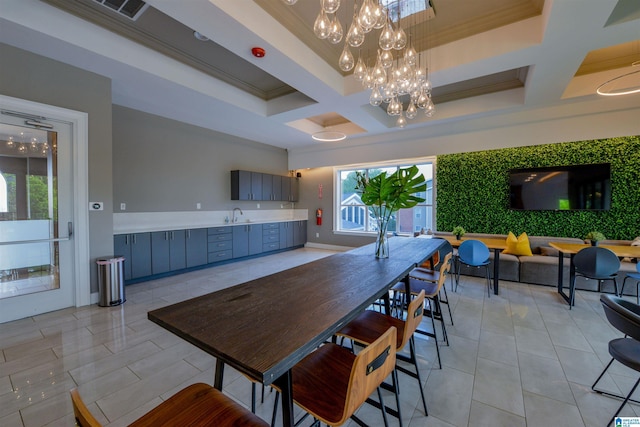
pixel 521 358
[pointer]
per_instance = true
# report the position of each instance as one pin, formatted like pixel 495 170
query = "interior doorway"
pixel 43 229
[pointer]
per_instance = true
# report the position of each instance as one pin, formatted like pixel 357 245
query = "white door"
pixel 36 217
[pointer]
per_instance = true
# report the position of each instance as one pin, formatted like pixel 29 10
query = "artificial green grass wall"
pixel 473 190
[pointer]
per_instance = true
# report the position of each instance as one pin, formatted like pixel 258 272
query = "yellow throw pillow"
pixel 518 246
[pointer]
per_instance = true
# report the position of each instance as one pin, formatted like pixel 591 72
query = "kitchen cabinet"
pixel 220 244
pixel 271 187
pixel 289 189
pixel 286 234
pixel 168 251
pixel 270 237
pixel 247 240
pixel 196 247
pixel 246 185
pixel 299 233
pixel 136 250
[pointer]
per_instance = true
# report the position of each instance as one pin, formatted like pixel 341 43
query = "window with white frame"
pixel 355 217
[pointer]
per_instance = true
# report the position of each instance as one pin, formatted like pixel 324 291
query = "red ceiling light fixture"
pixel 258 52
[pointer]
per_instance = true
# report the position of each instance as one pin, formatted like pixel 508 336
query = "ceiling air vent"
pixel 132 9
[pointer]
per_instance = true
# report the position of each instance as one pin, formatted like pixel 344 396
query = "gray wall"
pixel 162 165
pixel 309 198
pixel 39 79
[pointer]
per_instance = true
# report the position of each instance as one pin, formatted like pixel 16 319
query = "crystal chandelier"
pixel 392 80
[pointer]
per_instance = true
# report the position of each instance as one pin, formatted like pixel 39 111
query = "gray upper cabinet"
pixel 246 185
pixel 289 189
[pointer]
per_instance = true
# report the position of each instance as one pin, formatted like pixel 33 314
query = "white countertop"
pixel 138 222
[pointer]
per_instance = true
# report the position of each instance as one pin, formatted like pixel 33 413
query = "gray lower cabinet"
pixel 270 237
pixel 196 247
pixel 286 234
pixel 168 251
pixel 299 233
pixel 220 244
pixel 136 250
pixel 247 240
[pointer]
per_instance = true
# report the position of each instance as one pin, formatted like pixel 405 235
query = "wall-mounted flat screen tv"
pixel 561 188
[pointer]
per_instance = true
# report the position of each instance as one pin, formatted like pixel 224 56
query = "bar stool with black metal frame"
pixel 426 273
pixel 369 325
pixel 432 291
pixel 332 382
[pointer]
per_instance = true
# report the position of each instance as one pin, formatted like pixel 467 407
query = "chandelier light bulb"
pixel 367 17
pixel 355 36
pixel 335 33
pixel 401 122
pixel 410 56
pixel 381 17
pixel 387 37
pixel 399 39
pixel 346 61
pixel 10 142
pixel 360 71
pixel 412 111
pixel 376 98
pixel 330 6
pixel 386 58
pixel 322 26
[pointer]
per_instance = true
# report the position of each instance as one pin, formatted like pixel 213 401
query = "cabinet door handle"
pixel 188 234
pixel 134 239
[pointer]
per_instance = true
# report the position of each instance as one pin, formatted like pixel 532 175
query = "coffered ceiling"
pixel 486 59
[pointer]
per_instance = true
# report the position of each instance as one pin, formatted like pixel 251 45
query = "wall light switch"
pixel 198 206
pixel 317 234
pixel 258 205
pixel 123 206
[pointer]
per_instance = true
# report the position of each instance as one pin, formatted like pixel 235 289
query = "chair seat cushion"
pixel 200 405
pixel 626 351
pixel 430 288
pixel 370 325
pixel 324 372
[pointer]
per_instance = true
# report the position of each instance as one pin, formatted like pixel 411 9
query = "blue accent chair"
pixel 474 253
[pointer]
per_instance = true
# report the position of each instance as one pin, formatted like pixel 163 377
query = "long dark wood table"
pixel 265 326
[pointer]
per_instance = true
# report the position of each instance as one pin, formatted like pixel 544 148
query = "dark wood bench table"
pixel 265 326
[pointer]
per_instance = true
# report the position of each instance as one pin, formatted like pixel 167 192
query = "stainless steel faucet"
pixel 234 219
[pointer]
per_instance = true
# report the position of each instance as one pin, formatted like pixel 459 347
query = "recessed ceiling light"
pixel 200 36
pixel 328 136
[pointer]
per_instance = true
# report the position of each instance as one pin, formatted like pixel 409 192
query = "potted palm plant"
pixel 386 194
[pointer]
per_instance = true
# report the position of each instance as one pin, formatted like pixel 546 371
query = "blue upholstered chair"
pixel 473 253
pixel 636 277
pixel 595 263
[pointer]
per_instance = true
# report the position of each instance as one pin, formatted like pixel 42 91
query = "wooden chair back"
pixel 370 368
pixel 415 312
pixel 431 263
pixel 195 405
pixel 81 412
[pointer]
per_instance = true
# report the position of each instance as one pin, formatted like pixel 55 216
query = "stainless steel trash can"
pixel 111 281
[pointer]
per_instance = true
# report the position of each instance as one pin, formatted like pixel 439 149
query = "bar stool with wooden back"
pixel 367 327
pixel 426 273
pixel 331 383
pixel 196 405
pixel 432 291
